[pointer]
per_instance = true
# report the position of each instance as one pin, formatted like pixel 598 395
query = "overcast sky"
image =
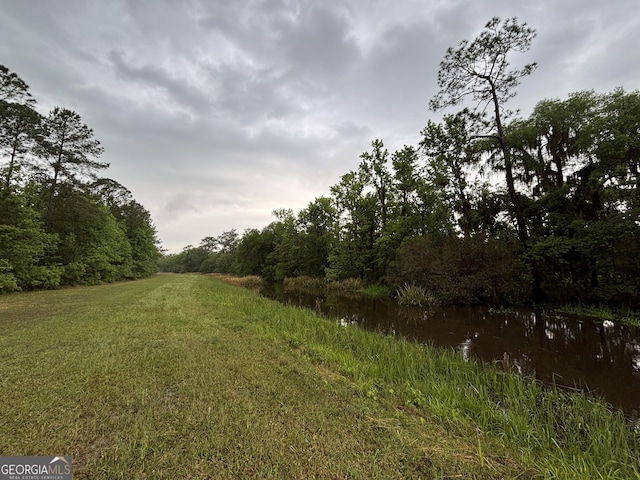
pixel 214 113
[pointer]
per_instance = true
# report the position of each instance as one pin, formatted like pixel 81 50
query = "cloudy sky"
pixel 216 112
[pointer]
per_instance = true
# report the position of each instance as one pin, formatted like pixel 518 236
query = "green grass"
pixel 626 316
pixel 415 296
pixel 376 291
pixel 183 376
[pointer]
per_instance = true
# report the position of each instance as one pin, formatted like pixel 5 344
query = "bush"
pixel 45 277
pixel 459 270
pixel 74 273
pixel 8 282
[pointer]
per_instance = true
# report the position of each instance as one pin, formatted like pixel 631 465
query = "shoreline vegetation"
pixel 415 295
pixel 558 228
pixel 185 376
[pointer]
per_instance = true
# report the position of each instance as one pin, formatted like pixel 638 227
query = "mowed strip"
pixel 167 378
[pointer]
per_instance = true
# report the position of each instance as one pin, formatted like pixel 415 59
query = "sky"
pixel 215 113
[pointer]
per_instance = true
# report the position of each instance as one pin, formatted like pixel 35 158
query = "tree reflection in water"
pixel 576 352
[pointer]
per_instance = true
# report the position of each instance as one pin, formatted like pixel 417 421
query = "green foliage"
pixel 8 281
pixel 458 270
pixel 14 89
pixel 68 147
pixel 18 136
pixel 54 227
pixel 74 273
pixel 376 291
pixel 582 167
pixel 561 226
pixel 23 246
pixel 480 69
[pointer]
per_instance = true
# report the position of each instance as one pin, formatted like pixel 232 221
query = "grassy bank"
pixel 182 376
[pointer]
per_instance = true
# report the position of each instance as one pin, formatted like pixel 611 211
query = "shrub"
pixel 74 273
pixel 8 282
pixel 45 277
pixel 459 270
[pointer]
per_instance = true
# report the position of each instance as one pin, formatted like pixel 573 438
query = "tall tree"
pixel 18 121
pixel 69 148
pixel 451 153
pixel 14 89
pixel 480 69
pixel 352 252
pixel 18 132
pixel 374 172
pixel 316 223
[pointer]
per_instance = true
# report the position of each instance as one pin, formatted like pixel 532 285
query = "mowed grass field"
pixel 183 376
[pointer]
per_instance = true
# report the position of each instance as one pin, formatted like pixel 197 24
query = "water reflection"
pixel 599 357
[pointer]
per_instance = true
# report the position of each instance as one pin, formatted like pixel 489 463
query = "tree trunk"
pixel 12 161
pixel 523 234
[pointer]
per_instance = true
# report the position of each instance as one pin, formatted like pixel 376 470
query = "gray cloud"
pixel 215 113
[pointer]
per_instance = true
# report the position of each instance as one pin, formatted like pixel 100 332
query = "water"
pixel 602 358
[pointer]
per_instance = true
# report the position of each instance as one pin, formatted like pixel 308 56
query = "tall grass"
pixel 346 285
pixel 415 296
pixel 304 283
pixel 252 282
pixel 565 435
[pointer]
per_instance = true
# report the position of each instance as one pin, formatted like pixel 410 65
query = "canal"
pixel 602 358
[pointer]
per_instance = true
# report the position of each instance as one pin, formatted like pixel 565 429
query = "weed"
pixel 252 282
pixel 376 291
pixel 304 283
pixel 415 295
pixel 346 285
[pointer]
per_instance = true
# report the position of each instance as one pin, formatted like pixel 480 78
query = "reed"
pixel 415 295
pixel 252 282
pixel 376 291
pixel 346 285
pixel 304 284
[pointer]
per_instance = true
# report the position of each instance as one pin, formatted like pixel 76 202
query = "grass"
pixel 349 286
pixel 346 285
pixel 304 283
pixel 183 376
pixel 415 296
pixel 376 291
pixel 626 316
pixel 252 282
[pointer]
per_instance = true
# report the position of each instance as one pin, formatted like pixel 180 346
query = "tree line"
pixel 487 207
pixel 60 223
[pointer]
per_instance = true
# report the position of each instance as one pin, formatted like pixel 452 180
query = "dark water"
pixel 577 352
